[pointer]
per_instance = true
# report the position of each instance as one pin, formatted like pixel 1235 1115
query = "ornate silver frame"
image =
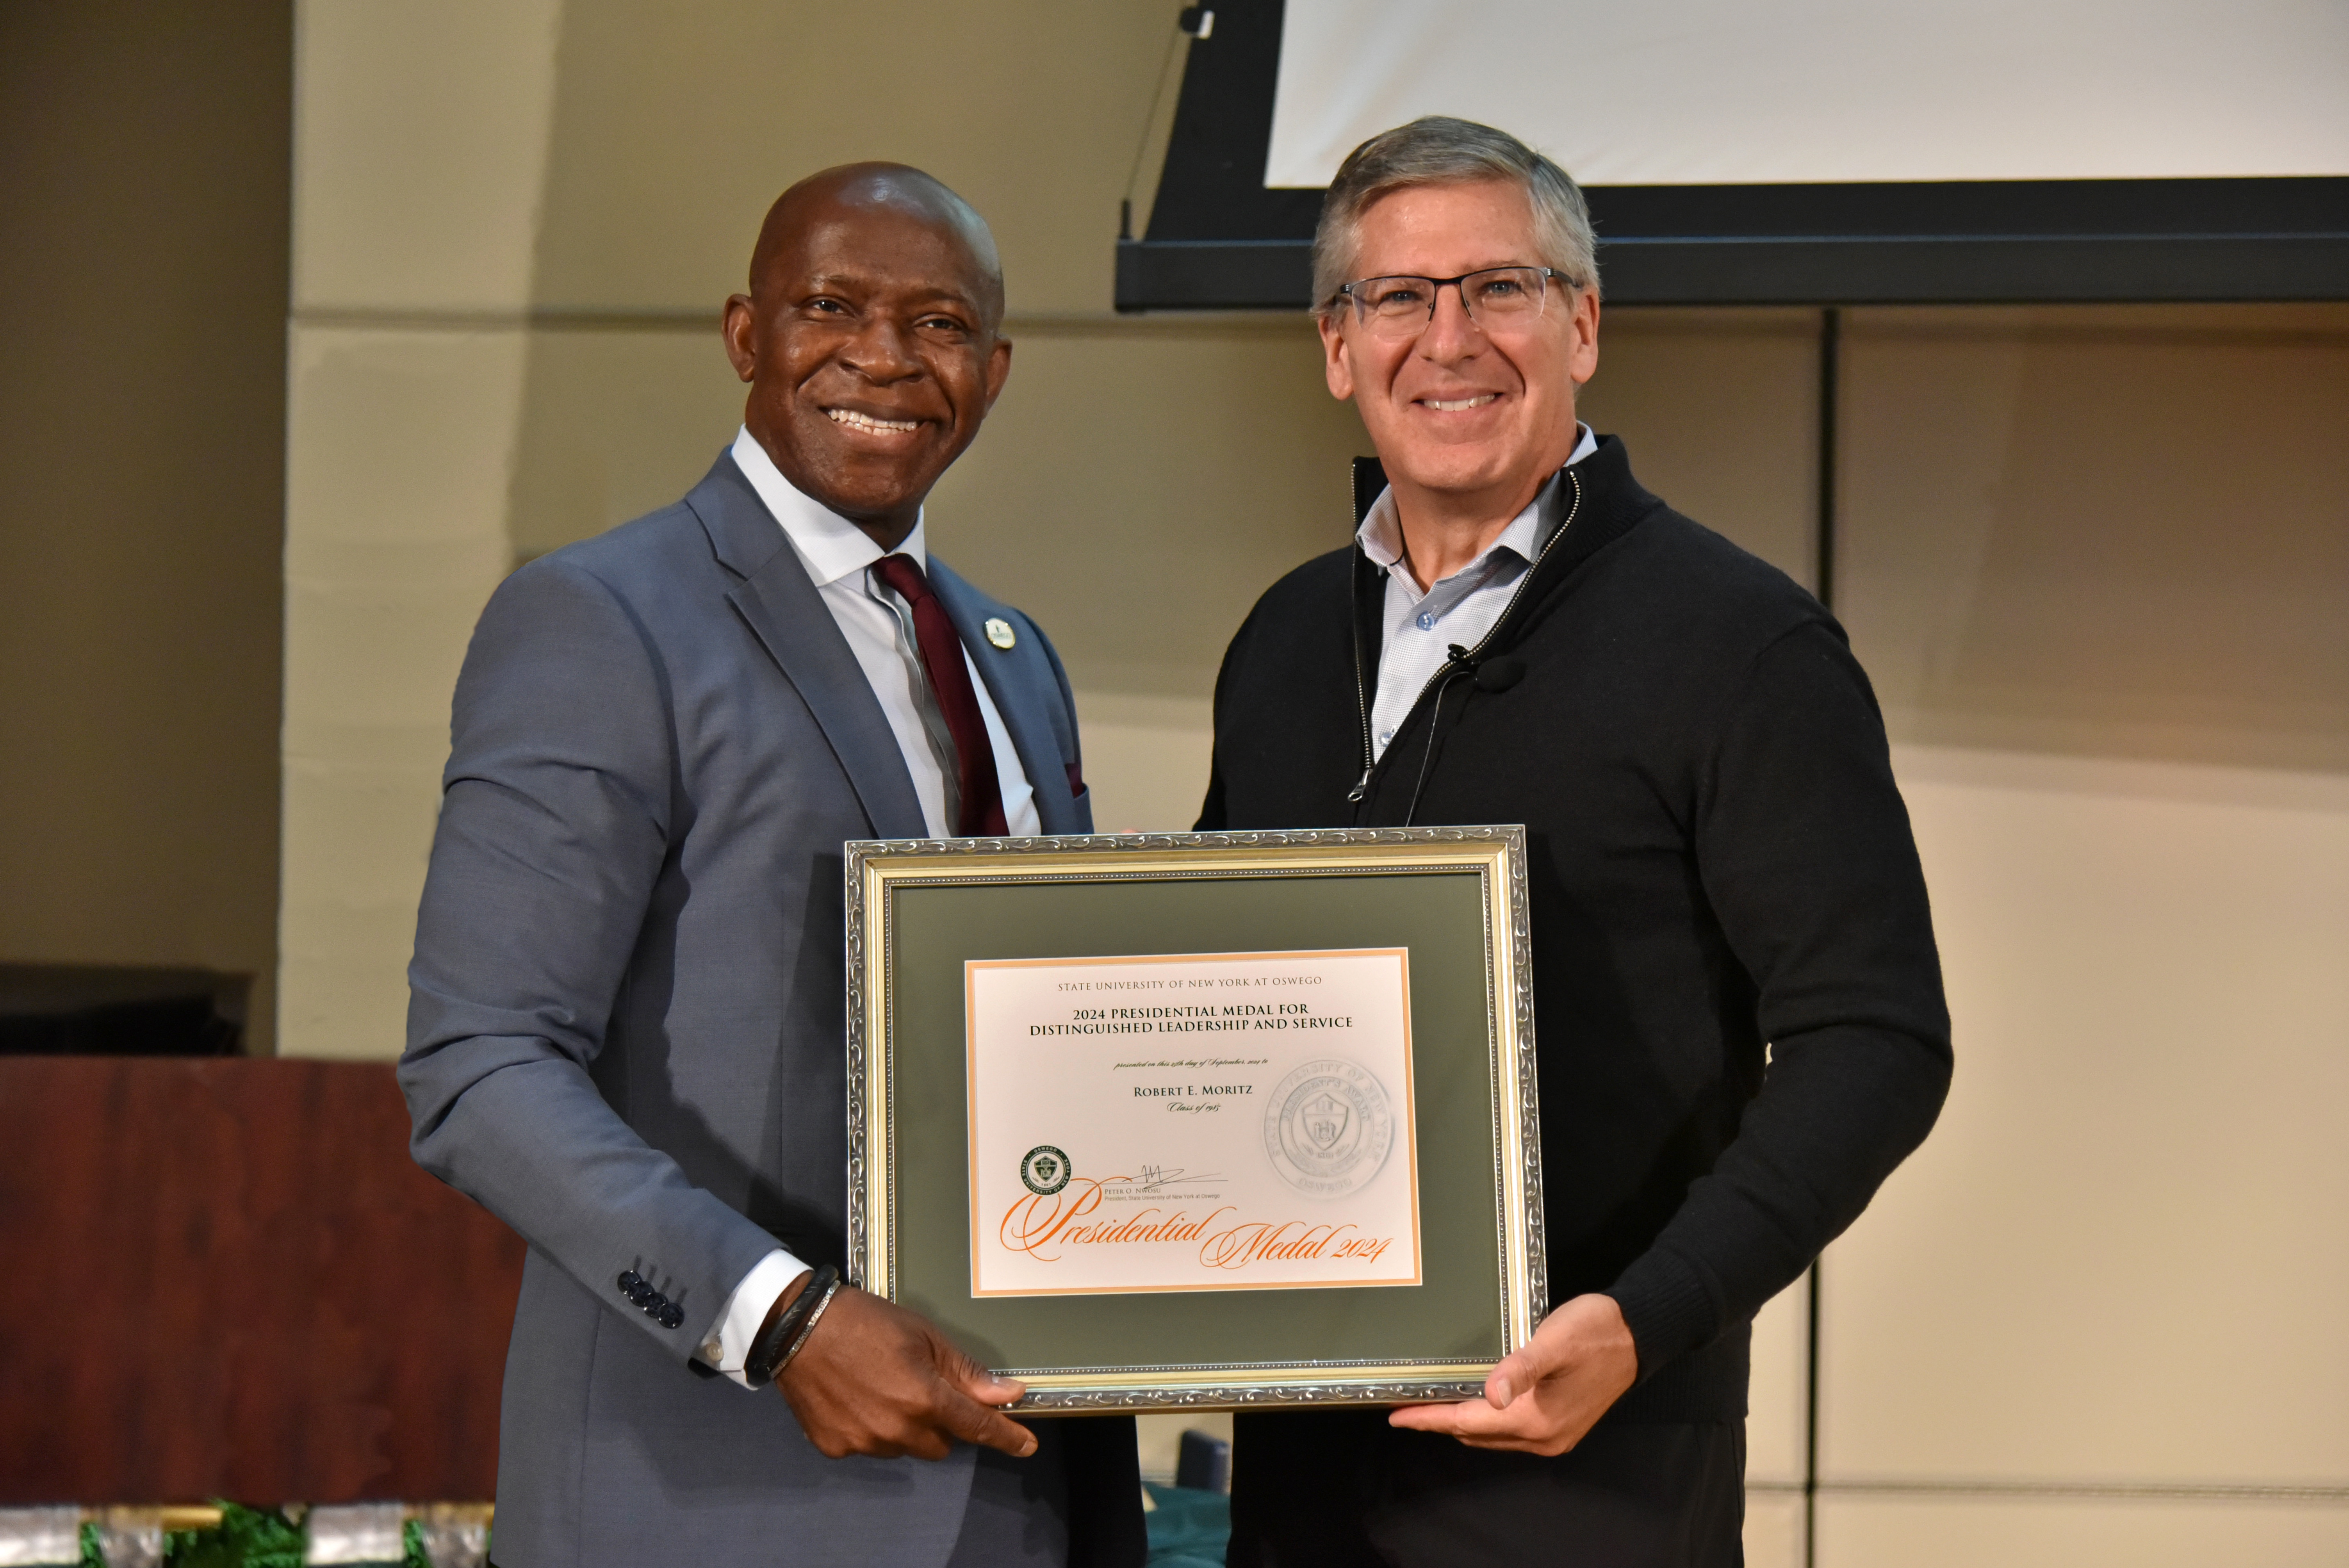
pixel 874 867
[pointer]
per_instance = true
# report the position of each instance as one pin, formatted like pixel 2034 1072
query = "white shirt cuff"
pixel 728 1345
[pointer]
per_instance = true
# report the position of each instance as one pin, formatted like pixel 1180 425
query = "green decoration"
pixel 246 1538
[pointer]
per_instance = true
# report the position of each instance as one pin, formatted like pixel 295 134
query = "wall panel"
pixel 2104 531
pixel 2115 1260
pixel 2095 561
pixel 421 133
pixel 143 156
pixel 2064 1532
pixel 1719 410
pixel 676 124
pixel 400 459
pixel 1774 1528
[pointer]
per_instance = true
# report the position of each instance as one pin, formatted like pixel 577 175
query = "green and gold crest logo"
pixel 1045 1169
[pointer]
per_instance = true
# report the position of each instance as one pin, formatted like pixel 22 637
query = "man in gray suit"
pixel 625 1031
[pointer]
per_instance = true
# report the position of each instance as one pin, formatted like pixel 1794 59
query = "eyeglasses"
pixel 1495 298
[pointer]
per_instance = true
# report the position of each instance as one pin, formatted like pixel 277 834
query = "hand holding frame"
pixel 1547 1394
pixel 876 1379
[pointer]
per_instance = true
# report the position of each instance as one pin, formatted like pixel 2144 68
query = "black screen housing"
pixel 1218 239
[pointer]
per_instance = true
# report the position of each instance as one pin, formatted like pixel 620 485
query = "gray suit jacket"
pixel 625 1031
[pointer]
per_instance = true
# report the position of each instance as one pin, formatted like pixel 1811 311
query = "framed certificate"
pixel 1186 1120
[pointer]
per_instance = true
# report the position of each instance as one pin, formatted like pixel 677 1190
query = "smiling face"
pixel 869 340
pixel 1467 423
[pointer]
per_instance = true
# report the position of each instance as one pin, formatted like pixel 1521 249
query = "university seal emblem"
pixel 1328 1128
pixel 1045 1169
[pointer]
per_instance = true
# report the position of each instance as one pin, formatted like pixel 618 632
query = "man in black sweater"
pixel 1740 1022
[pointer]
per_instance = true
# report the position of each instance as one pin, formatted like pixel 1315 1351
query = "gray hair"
pixel 1437 150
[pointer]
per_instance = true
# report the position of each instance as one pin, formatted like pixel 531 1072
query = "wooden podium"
pixel 231 1280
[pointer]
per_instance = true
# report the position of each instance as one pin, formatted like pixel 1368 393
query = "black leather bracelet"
pixel 808 1327
pixel 775 1341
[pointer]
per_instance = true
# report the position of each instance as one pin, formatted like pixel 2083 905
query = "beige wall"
pixel 2114 531
pixel 144 152
pixel 2094 558
pixel 2098 561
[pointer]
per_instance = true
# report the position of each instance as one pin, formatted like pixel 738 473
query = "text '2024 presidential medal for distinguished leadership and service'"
pixel 1191 1121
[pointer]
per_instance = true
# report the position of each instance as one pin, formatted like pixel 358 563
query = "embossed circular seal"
pixel 1328 1128
pixel 1045 1169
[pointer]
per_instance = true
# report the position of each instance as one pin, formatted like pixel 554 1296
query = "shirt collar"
pixel 829 546
pixel 1381 535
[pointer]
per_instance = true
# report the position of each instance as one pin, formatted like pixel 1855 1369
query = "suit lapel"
pixel 1020 680
pixel 792 620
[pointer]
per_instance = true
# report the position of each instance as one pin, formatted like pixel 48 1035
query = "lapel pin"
pixel 999 632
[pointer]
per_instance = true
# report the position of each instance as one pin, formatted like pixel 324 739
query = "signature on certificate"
pixel 1154 1179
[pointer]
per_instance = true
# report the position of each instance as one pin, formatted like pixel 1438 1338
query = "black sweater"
pixel 1719 861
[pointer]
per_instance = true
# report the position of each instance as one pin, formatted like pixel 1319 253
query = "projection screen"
pixel 1709 92
pixel 1812 152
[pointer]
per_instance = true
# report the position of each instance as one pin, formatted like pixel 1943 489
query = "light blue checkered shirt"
pixel 1419 628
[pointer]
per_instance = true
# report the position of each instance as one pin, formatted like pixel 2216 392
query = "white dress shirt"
pixel 879 629
pixel 1419 626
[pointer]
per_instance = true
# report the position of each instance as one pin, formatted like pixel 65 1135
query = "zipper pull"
pixel 1361 787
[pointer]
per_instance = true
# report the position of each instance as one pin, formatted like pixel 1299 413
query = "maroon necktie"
pixel 941 646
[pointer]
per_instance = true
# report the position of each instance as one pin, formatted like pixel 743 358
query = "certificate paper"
pixel 1198 1121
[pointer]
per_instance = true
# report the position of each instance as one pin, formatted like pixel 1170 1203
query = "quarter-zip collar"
pixel 1601 502
pixel 1381 533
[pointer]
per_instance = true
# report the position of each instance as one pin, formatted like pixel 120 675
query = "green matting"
pixel 1439 916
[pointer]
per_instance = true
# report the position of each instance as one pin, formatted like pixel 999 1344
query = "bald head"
pixel 872 339
pixel 850 189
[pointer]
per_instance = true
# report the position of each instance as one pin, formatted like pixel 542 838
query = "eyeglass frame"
pixel 1436 286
